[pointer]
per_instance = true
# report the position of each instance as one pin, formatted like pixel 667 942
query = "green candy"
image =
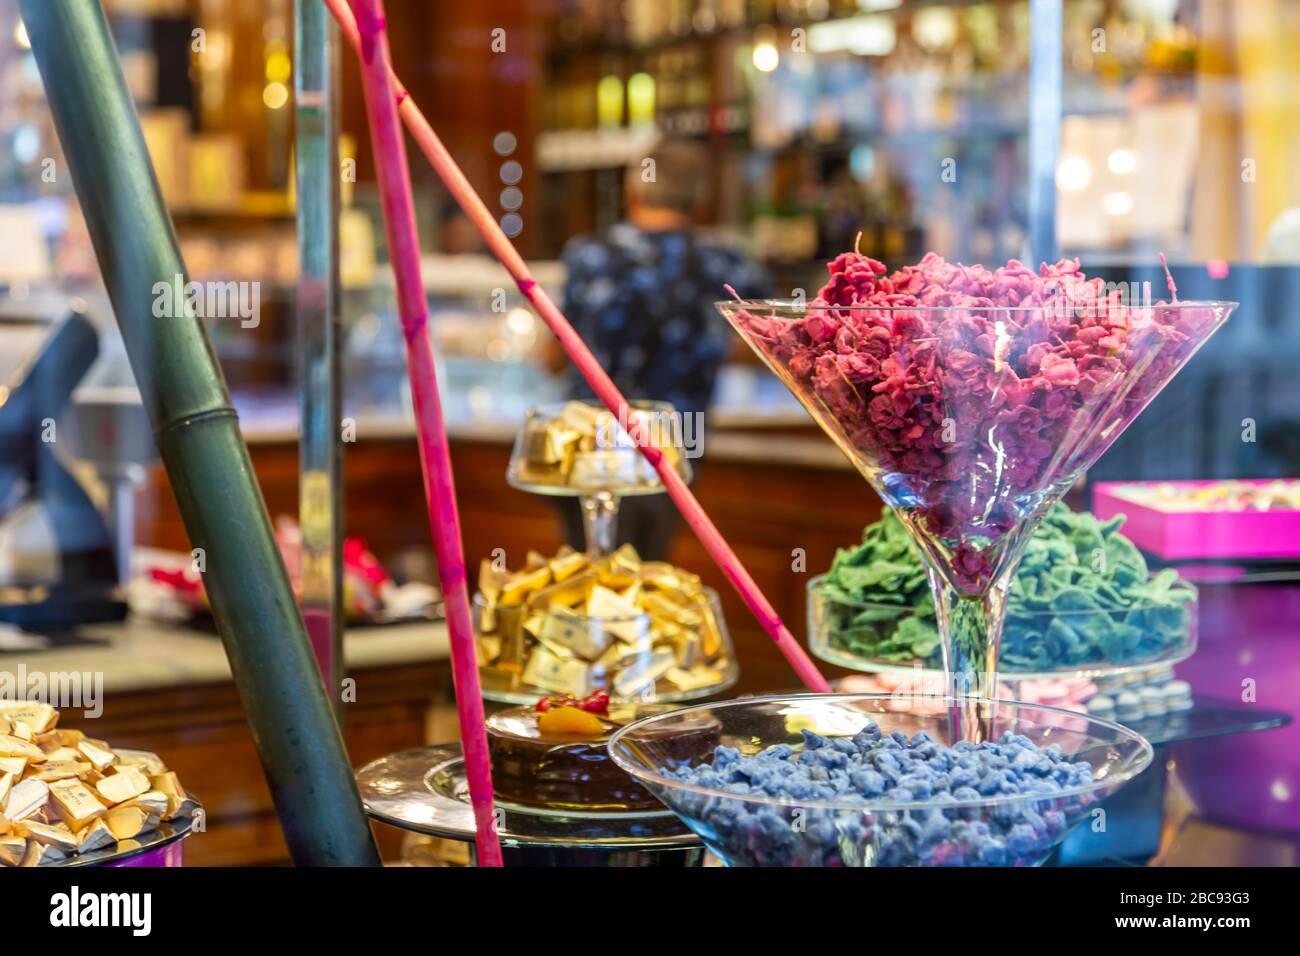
pixel 1083 596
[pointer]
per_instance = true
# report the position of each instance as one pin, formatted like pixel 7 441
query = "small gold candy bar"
pixel 53 770
pixel 38 716
pixel 686 648
pixel 491 581
pixel 122 785
pixel 168 783
pixel 59 739
pixel 12 848
pixel 143 760
pixel 662 605
pixel 539 451
pixel 489 649
pixel 178 801
pixel 710 632
pixel 618 615
pixel 152 802
pixel 6 784
pixel 13 765
pixel 622 569
pixel 75 804
pixel 26 798
pixel 126 822
pixel 510 628
pixel 37 854
pixel 583 418
pixel 551 672
pixel 94 836
pixel 567 563
pixel 616 657
pixel 22 731
pixel 100 757
pixel 11 746
pixel 574 632
pixel 487 617
pixel 58 837
pixel 533 627
pixel 641 676
pixel 5 726
pixel 568 593
pixel 520 585
pixel 660 574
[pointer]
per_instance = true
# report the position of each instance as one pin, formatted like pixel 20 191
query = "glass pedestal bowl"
pixel 747 828
pixel 1036 644
pixel 526 652
pixel 579 449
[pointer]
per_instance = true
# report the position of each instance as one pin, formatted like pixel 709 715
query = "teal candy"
pixel 1082 596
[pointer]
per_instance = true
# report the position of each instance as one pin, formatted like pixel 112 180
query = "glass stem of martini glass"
pixel 970 631
pixel 600 521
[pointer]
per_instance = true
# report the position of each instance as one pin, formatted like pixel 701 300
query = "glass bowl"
pixel 671 655
pixel 755 829
pixel 1091 642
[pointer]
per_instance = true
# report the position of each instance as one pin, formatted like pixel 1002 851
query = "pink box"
pixel 1180 535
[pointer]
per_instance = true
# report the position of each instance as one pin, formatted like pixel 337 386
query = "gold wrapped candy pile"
pixel 63 793
pixel 573 624
pixel 585 448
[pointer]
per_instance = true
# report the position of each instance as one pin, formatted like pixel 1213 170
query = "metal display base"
pixel 425 791
pixel 149 849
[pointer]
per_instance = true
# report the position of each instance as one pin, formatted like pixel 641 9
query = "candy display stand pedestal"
pixel 611 471
pixel 424 791
pixel 162 846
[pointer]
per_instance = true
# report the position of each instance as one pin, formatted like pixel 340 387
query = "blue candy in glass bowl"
pixel 883 780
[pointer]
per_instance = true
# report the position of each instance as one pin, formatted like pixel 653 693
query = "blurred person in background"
pixel 641 295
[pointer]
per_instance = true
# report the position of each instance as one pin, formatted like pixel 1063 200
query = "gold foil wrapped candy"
pixel 572 624
pixel 580 447
pixel 63 793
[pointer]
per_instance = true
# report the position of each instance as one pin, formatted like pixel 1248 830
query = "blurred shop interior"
pixel 900 126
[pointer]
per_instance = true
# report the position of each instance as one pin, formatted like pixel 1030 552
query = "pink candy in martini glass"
pixel 971 400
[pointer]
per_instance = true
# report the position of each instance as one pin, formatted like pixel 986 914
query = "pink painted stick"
pixel 435 456
pixel 581 356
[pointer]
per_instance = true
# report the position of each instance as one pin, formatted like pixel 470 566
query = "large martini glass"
pixel 970 422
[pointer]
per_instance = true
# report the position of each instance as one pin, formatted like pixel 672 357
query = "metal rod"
pixel 1046 54
pixel 198 437
pixel 320 485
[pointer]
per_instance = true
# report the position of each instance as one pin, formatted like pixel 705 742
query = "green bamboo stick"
pixel 198 437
